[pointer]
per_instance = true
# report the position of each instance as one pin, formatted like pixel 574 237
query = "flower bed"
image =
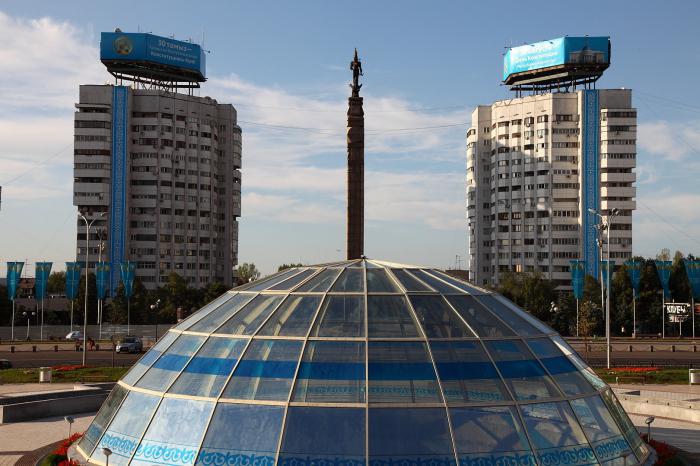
pixel 636 370
pixel 667 455
pixel 59 457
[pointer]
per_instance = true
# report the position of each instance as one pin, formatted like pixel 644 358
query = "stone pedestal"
pixel 356 178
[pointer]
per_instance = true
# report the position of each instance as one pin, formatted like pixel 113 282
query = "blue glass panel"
pixel 332 371
pixel 208 370
pixel 556 435
pixel 378 281
pixel 519 320
pixel 439 285
pixel 169 365
pixel 341 316
pixel 410 436
pixel 605 436
pixel 293 317
pixel 290 283
pixel 175 433
pixel 438 319
pixel 251 316
pixel 466 373
pixel 321 282
pixel 149 358
pixel 523 374
pixel 625 424
pixel 585 370
pixel 104 416
pixel 458 283
pixel 565 374
pixel 266 283
pixel 351 280
pixel 123 434
pixel 401 372
pixel 480 319
pixel 323 436
pixel 265 371
pixel 242 435
pixel 204 311
pixel 219 315
pixel 390 317
pixel 409 282
pixel 490 436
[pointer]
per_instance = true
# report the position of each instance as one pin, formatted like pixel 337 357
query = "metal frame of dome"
pixel 432 370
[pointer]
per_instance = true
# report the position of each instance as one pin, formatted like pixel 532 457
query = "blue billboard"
pixel 142 47
pixel 555 52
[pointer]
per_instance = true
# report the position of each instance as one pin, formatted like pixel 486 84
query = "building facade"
pixel 535 165
pixel 164 168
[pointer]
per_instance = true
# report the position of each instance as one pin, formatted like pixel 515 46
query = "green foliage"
pixel 247 272
pixel 289 266
pixel 56 282
pixel 530 291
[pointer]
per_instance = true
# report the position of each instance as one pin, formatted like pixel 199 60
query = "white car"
pixel 75 335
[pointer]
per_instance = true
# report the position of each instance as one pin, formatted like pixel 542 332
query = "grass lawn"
pixel 65 374
pixel 630 375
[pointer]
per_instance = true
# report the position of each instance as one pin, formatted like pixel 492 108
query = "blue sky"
pixel 286 63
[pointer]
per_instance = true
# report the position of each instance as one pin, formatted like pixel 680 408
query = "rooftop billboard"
pixel 556 52
pixel 129 47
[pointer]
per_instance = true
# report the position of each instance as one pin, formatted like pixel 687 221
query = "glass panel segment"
pixel 586 371
pixel 480 319
pixel 293 317
pixel 204 311
pixel 570 380
pixel 219 315
pixel 438 319
pixel 324 436
pixel 490 436
pixel 290 283
pixel 265 371
pixel 149 358
pixel 207 372
pixel 434 283
pixel 539 325
pixel 401 372
pixel 98 425
pixel 410 436
pixel 458 283
pixel 341 316
pixel 351 280
pixel 625 424
pixel 175 433
pixel 123 434
pixel 242 434
pixel 556 435
pixel 390 317
pixel 409 282
pixel 524 375
pixel 321 282
pixel 378 281
pixel 466 373
pixel 332 371
pixel 605 436
pixel 251 316
pixel 507 314
pixel 266 283
pixel 169 365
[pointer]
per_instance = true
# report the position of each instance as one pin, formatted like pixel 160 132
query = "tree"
pixel 213 291
pixel 589 317
pixel 247 272
pixel 56 283
pixel 289 266
pixel 531 291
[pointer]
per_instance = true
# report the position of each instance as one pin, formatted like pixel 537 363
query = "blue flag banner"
pixel 634 271
pixel 128 270
pixel 14 272
pixel 663 268
pixel 692 269
pixel 41 278
pixel 604 270
pixel 72 279
pixel 102 279
pixel 578 273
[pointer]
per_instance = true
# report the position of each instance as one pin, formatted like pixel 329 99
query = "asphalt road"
pixel 22 359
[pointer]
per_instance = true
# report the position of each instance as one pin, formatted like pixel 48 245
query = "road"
pixel 21 359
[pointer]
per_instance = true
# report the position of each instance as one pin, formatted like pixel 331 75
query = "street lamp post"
pixel 87 270
pixel 606 225
pixel 156 307
pixel 28 316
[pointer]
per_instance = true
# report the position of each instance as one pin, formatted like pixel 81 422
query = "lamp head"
pixel 106 451
pixel 649 420
pixel 593 211
pixel 69 419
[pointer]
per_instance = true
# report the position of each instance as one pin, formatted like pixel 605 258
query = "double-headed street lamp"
pixel 87 270
pixel 605 225
pixel 156 308
pixel 28 315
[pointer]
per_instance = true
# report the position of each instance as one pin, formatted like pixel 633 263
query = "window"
pixel 332 371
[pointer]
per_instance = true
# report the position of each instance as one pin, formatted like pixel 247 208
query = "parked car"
pixel 129 345
pixel 75 335
pixel 5 364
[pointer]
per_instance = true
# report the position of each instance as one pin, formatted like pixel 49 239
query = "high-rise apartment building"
pixel 171 195
pixel 535 165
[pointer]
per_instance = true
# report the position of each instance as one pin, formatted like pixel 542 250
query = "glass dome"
pixel 362 362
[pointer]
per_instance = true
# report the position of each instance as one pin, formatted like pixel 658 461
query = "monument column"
pixel 356 166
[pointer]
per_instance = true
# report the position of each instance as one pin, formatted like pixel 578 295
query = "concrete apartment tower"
pixel 164 166
pixel 535 165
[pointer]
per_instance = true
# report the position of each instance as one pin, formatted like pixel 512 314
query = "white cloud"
pixel 670 141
